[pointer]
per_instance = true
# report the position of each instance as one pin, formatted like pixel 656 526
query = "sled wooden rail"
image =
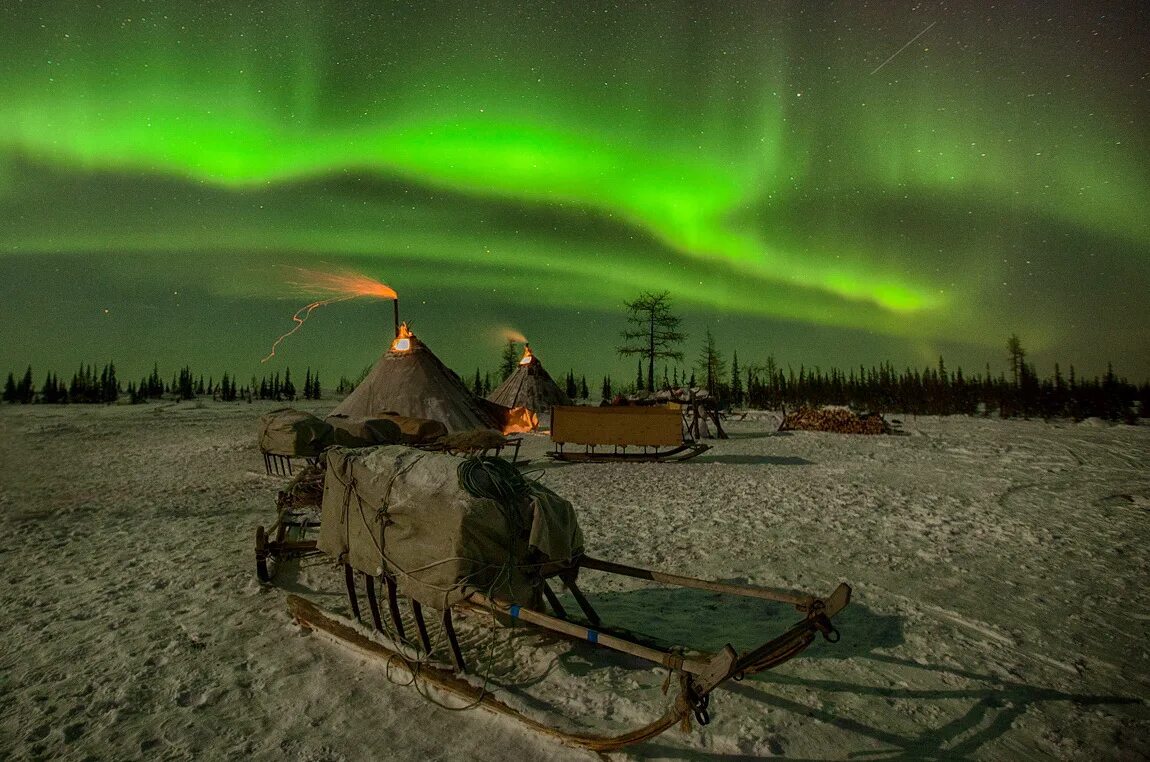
pixel 801 601
pixel 311 617
pixel 665 658
pixel 698 675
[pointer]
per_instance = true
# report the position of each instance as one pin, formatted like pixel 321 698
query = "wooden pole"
pixel 421 625
pixel 801 601
pixel 373 604
pixel 393 606
pixel 654 655
pixel 349 579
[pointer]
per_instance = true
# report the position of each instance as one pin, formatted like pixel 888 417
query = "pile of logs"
pixel 306 489
pixel 838 420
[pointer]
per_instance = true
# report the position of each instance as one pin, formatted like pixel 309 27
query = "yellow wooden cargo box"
pixel 648 426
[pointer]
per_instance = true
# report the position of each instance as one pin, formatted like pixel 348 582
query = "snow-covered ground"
pixel 1000 572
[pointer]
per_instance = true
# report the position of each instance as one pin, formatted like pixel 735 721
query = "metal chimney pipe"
pixel 395 305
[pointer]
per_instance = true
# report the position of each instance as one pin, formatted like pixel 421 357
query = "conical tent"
pixel 529 386
pixel 411 381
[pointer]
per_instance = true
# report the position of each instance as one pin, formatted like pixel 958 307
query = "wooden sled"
pixel 697 675
pixel 621 434
pixel 296 515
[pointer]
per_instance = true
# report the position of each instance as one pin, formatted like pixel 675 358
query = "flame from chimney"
pixel 528 355
pixel 402 341
pixel 342 285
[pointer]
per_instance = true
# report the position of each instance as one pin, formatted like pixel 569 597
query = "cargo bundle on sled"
pixel 464 535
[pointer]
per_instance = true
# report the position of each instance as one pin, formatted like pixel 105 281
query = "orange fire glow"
pixel 341 285
pixel 528 355
pixel 520 420
pixel 402 342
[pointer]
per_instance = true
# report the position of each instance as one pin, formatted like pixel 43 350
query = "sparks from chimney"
pixel 343 285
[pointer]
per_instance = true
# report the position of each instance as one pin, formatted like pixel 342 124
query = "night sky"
pixel 833 183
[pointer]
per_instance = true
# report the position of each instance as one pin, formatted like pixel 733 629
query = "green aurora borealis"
pixel 506 165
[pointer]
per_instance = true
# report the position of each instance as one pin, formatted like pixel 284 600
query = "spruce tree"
pixel 288 387
pixel 24 390
pixel 711 365
pixel 508 360
pixel 736 381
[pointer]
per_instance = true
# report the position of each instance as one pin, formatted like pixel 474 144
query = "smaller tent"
pixel 529 386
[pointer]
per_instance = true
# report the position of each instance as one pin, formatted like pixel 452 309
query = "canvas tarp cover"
pixel 293 432
pixel 363 432
pixel 402 510
pixel 416 430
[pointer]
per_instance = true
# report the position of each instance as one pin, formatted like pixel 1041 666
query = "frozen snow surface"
pixel 1000 573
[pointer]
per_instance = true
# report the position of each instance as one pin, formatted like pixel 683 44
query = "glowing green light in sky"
pixel 745 158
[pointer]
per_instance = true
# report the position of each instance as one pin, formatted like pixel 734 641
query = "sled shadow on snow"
pixel 749 460
pixel 708 621
pixel 757 434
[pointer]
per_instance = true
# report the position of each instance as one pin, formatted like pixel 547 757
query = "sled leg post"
pixel 393 606
pixel 581 599
pixel 372 603
pixel 349 579
pixel 262 555
pixel 553 601
pixel 421 626
pixel 456 654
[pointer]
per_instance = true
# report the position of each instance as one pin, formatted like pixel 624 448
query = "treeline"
pixel 925 391
pixel 883 389
pixel 936 391
pixel 88 386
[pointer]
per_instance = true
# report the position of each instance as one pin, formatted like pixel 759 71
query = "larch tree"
pixel 653 333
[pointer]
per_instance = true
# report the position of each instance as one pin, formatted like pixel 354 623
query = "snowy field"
pixel 1000 572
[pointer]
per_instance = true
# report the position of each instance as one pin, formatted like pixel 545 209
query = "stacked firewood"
pixel 838 420
pixel 306 489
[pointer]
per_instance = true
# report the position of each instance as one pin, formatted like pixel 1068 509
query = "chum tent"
pixel 411 381
pixel 529 386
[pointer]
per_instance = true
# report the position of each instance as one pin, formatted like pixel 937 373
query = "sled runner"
pixel 466 537
pixel 696 675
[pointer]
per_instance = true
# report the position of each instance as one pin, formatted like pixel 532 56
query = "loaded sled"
pixel 416 530
pixel 621 433
pixel 297 513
